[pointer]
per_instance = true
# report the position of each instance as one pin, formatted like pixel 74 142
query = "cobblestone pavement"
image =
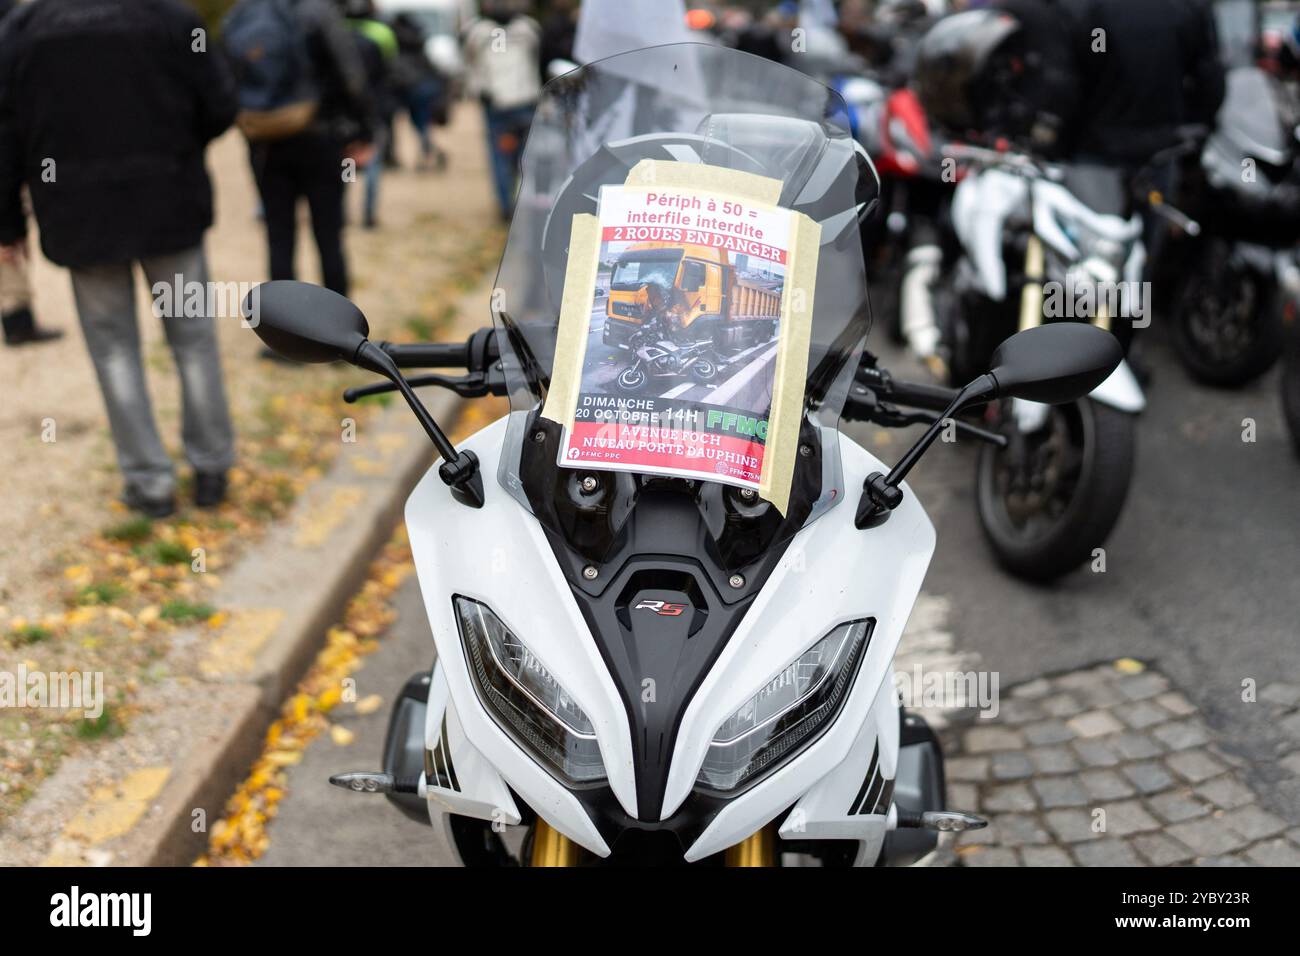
pixel 1111 766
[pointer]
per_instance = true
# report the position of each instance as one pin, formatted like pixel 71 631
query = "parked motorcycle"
pixel 1238 277
pixel 637 669
pixel 1057 236
pixel 890 123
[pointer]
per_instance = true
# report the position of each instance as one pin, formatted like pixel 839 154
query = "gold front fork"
pixel 758 849
pixel 551 847
pixel 1031 297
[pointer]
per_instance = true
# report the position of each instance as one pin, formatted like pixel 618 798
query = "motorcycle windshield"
pixel 695 104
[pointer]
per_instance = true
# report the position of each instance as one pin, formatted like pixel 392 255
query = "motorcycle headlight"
pixel 788 713
pixel 524 698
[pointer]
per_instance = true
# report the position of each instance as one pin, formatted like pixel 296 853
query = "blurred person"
pixel 502 50
pixel 559 30
pixel 106 109
pixel 609 27
pixel 1159 73
pixel 1052 90
pixel 377 47
pixel 16 316
pixel 305 110
pixel 1160 70
pixel 421 88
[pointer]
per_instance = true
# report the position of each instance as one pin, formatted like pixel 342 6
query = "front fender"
pixel 1121 391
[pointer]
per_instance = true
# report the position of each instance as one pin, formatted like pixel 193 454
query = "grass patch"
pixel 133 529
pixel 105 725
pixel 183 612
pixel 383 399
pixel 105 592
pixel 171 552
pixel 419 326
pixel 30 634
pixel 275 458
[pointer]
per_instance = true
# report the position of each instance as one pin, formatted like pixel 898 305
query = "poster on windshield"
pixel 685 351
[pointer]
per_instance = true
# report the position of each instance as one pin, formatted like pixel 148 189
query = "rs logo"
pixel 662 607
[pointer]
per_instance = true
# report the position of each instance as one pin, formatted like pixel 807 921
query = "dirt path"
pixel 87 587
pixel 56 492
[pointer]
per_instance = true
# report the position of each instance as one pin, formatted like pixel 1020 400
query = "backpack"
pixel 267 45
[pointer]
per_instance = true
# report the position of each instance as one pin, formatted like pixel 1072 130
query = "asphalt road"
pixel 321 825
pixel 1201 580
pixel 1203 571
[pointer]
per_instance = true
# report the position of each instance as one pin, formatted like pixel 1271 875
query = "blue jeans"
pixel 371 176
pixel 506 130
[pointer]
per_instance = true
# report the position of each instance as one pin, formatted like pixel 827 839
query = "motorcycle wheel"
pixel 886 277
pixel 631 379
pixel 1228 326
pixel 1045 519
pixel 1291 390
pixel 704 370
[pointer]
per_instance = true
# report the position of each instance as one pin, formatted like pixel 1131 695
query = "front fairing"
pixel 828 574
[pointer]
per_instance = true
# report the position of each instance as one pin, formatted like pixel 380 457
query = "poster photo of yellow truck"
pixel 684 321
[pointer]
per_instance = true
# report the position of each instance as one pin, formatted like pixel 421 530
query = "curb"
pixel 197 737
pixel 273 578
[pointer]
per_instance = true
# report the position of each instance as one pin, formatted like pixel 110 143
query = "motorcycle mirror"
pixel 308 323
pixel 305 322
pixel 1055 363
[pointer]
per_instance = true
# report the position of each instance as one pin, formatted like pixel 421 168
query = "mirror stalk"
pixel 880 493
pixel 459 471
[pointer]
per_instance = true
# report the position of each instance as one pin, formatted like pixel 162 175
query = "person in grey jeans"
pixel 106 109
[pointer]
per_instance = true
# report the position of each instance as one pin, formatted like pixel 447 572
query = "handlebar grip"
pixel 476 353
pixel 934 397
pixel 428 354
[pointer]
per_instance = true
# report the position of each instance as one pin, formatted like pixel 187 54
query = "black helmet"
pixel 953 63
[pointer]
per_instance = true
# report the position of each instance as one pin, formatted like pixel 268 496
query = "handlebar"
pixel 476 353
pixel 935 398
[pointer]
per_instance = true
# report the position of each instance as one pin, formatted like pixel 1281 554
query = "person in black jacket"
pixel 1148 71
pixel 16 317
pixel 310 165
pixel 1146 68
pixel 106 107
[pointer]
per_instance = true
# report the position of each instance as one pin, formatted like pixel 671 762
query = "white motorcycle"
pixel 1039 243
pixel 637 669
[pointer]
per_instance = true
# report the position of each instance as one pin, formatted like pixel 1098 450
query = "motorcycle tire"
pixel 1226 346
pixel 886 296
pixel 631 379
pixel 704 370
pixel 1102 439
pixel 1291 390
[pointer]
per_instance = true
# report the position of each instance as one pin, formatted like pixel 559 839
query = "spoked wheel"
pixel 1052 496
pixel 1228 328
pixel 632 379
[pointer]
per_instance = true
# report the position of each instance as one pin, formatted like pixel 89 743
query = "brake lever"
pixel 898 418
pixel 472 385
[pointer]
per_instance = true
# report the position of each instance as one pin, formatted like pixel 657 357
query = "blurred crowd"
pixel 107 106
